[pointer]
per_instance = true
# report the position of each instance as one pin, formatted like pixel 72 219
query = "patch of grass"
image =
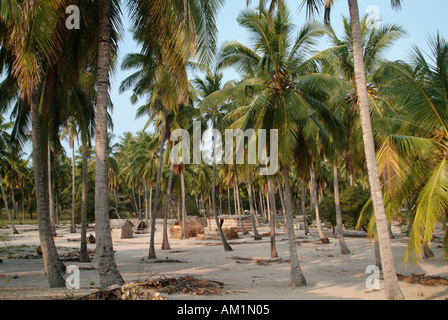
pixel 8 250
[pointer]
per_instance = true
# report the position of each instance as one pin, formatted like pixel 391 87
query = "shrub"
pixel 353 200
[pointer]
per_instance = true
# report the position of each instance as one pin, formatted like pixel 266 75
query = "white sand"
pixel 330 275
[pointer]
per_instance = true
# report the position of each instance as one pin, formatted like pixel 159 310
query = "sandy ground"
pixel 330 275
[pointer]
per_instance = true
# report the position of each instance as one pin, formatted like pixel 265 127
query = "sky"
pixel 420 19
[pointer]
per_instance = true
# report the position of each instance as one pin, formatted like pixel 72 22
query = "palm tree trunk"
pixel 303 200
pixel 262 204
pixel 109 274
pixel 50 192
pixel 11 222
pixel 84 253
pixel 150 201
pixel 272 214
pixel 16 212
pixel 146 200
pixel 343 246
pixel 297 276
pixel 165 242
pixel 235 207
pixel 392 287
pixel 184 211
pixel 225 244
pixel 139 212
pixel 135 199
pixel 73 227
pixel 197 201
pixel 281 198
pixel 202 204
pixel 23 206
pixel 240 210
pixel 322 236
pixel 228 199
pixel 252 211
pixel 152 249
pixel 377 254
pixel 49 252
pixel 57 209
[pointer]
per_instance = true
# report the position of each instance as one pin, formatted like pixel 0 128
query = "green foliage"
pixel 4 237
pixel 90 209
pixel 353 200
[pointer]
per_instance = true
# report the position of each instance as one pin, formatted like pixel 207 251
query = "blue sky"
pixel 418 18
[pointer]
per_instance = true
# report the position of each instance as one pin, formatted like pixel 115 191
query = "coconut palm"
pixel 282 80
pixel 4 142
pixel 393 290
pixel 207 86
pixel 34 51
pixel 412 157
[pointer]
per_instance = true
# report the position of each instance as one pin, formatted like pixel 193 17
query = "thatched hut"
pixel 231 222
pixel 193 228
pixel 139 226
pixel 121 229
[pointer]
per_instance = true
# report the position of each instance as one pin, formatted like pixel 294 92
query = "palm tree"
pixel 213 83
pixel 109 274
pixel 72 132
pixel 412 158
pixel 33 53
pixel 393 290
pixel 283 89
pixel 4 142
pixel 164 99
pixel 171 32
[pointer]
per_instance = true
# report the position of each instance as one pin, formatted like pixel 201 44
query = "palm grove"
pixel 347 119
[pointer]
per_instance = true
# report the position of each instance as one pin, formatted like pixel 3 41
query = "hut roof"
pixel 232 217
pixel 118 224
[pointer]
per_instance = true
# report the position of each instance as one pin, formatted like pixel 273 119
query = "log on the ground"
pixel 355 234
pixel 423 280
pixel 186 285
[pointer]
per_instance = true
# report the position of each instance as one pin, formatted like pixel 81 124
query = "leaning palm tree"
pixel 393 290
pixel 412 158
pixel 36 38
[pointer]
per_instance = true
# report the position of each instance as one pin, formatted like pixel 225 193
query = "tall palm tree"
pixel 207 86
pixel 4 142
pixel 282 82
pixel 393 290
pixel 412 157
pixel 171 32
pixel 107 266
pixel 33 53
pixel 72 132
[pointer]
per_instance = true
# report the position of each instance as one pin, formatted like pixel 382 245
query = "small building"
pixel 140 226
pixel 121 229
pixel 231 222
